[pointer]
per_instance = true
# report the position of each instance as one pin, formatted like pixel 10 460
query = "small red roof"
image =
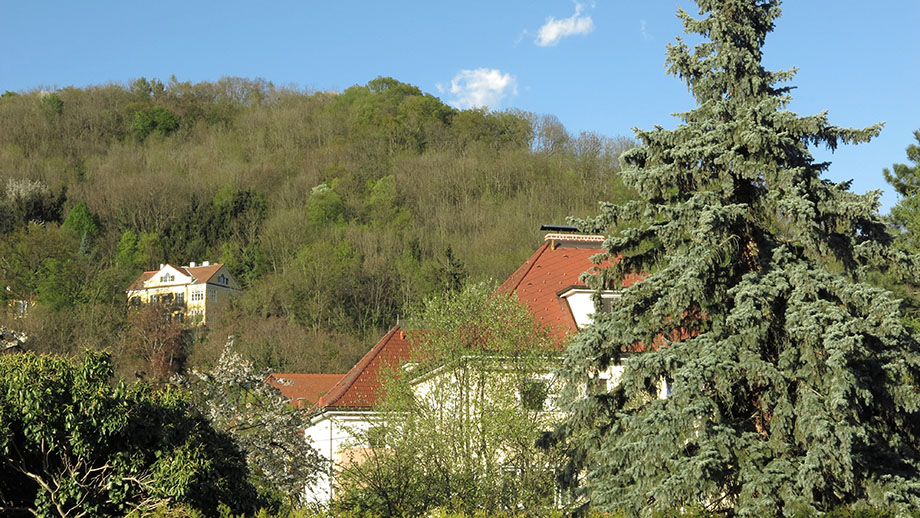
pixel 139 282
pixel 201 274
pixel 303 390
pixel 358 387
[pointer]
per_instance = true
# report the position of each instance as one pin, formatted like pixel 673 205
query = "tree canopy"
pixel 905 215
pixel 236 400
pixel 73 444
pixel 456 427
pixel 793 382
pixel 336 211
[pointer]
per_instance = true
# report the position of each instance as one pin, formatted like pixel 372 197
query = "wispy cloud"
pixel 521 37
pixel 554 30
pixel 482 87
pixel 643 25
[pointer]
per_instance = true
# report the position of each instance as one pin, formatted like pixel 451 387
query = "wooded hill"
pixel 336 211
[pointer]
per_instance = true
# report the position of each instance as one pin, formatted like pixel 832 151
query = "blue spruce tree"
pixel 793 382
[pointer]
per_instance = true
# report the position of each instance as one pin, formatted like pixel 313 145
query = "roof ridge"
pixel 589 238
pixel 306 374
pixel 348 379
pixel 529 264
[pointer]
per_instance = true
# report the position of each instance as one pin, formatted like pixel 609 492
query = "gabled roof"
pixel 555 266
pixel 200 274
pixel 358 387
pixel 139 282
pixel 303 390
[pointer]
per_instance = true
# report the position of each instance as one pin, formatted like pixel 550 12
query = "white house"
pixel 548 283
pixel 191 293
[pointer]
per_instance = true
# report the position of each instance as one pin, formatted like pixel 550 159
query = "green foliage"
pixel 905 215
pixel 236 400
pixel 53 103
pixel 81 221
pixel 793 381
pixel 40 262
pixel 324 206
pixel 408 177
pixel 128 253
pixel 905 225
pixel 453 431
pixel 156 119
pixel 73 443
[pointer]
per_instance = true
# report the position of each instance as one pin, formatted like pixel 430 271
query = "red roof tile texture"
pixel 303 390
pixel 359 387
pixel 202 274
pixel 553 268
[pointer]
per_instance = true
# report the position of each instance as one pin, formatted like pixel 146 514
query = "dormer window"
pixel 581 303
pixel 167 277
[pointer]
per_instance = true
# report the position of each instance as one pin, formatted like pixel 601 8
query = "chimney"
pixel 162 265
pixel 191 264
pixel 206 263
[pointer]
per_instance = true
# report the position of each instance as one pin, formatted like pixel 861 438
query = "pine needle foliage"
pixel 793 382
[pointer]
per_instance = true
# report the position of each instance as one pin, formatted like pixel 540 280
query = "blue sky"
pixel 597 66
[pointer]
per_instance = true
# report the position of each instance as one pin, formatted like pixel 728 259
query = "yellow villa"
pixel 191 293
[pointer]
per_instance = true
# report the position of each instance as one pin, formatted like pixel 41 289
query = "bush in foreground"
pixel 74 444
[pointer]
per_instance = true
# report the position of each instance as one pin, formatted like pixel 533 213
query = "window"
pixel 197 295
pixel 582 304
pixel 180 298
pixel 167 277
pixel 222 279
pixel 533 394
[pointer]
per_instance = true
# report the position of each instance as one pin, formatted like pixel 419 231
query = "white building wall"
pixel 332 433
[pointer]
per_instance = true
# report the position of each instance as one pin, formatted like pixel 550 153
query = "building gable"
pixel 540 283
pixel 167 275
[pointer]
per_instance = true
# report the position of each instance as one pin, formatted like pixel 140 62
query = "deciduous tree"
pixel 458 424
pixel 237 401
pixel 73 444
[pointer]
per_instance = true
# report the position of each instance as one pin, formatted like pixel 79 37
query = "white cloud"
pixel 483 87
pixel 554 30
pixel 642 29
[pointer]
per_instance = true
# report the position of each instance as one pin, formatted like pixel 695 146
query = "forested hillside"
pixel 336 211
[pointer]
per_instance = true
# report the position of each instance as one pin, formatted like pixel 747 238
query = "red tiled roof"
pixel 303 390
pixel 554 267
pixel 201 274
pixel 139 282
pixel 358 388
